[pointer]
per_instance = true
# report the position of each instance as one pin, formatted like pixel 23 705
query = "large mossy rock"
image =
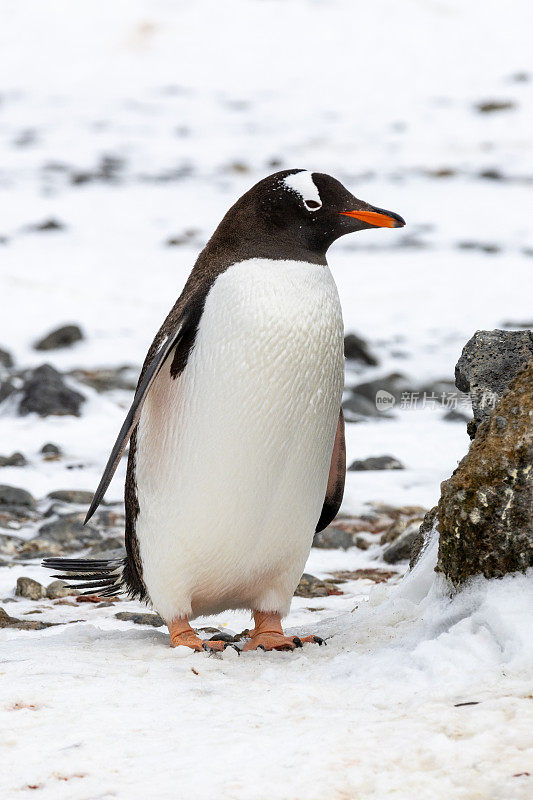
pixel 485 513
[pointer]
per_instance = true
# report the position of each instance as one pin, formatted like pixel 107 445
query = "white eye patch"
pixel 303 184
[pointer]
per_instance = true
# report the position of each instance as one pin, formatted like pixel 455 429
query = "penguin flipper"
pixel 151 368
pixel 336 479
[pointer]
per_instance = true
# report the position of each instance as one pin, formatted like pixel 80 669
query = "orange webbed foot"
pixel 181 634
pixel 268 634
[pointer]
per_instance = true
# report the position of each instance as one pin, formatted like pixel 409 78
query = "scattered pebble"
pixel 6 359
pixel 65 336
pixel 59 589
pixel 13 496
pixel 77 496
pixel 140 618
pixel 30 589
pixel 44 392
pixel 14 460
pixel 375 463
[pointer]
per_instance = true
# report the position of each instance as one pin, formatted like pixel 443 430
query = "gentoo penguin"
pixel 236 431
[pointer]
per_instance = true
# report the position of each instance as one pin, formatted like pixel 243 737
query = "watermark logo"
pixel 384 400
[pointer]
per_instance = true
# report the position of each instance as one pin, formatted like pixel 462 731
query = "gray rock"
pixel 357 408
pixel 12 496
pixel 30 589
pixel 485 511
pixel 400 549
pixel 76 496
pixel 50 451
pixel 14 460
pixel 104 380
pixel 394 384
pixel 455 416
pixel 310 586
pixel 22 625
pixel 332 538
pixel 356 349
pixel 376 463
pixel 489 361
pixel 7 388
pixel 65 336
pixel 44 393
pixel 140 619
pixel 424 532
pixel 110 547
pixel 9 544
pixel 58 589
pixel 6 359
pixel 70 532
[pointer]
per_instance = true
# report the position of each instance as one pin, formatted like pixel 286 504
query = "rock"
pixel 332 538
pixel 45 393
pixel 455 416
pixel 58 589
pixel 13 496
pixel 485 512
pixel 489 361
pixel 400 549
pixel 490 106
pixel 357 408
pixel 9 544
pixel 403 518
pixel 51 452
pixel 32 590
pixel 7 388
pixel 394 384
pixel 14 460
pixel 65 336
pixel 78 496
pixel 108 548
pixel 105 380
pixel 70 532
pixel 22 625
pixel 370 574
pixel 310 586
pixel 376 463
pixel 140 619
pixel 50 224
pixel 356 349
pixel 6 359
pixel 425 531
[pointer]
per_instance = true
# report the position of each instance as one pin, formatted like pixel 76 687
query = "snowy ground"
pixel 131 123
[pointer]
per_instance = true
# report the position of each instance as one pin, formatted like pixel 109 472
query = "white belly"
pixel 233 456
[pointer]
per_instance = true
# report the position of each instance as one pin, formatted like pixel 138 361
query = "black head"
pixel 296 214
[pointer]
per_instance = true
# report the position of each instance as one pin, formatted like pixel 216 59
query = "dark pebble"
pixel 65 336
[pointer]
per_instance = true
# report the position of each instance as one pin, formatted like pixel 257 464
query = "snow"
pixel 195 102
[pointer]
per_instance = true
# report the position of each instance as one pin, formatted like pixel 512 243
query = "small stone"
pixel 45 393
pixel 310 586
pixel 65 336
pixel 491 106
pixel 14 460
pixel 107 379
pixel 140 619
pixel 58 589
pixel 50 451
pixel 357 408
pixel 70 532
pixel 332 538
pixel 356 349
pixel 6 359
pixel 109 548
pixel 76 496
pixel 22 625
pixel 30 589
pixel 456 416
pixel 9 544
pixel 12 496
pixel 50 224
pixel 400 549
pixel 7 388
pixel 375 463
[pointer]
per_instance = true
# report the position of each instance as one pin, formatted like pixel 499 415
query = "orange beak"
pixel 380 219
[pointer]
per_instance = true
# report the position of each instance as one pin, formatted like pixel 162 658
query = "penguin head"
pixel 297 214
pixel 318 208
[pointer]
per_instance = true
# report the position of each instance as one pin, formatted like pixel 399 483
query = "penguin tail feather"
pixel 103 577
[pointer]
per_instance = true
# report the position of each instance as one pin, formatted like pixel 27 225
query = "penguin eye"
pixel 312 205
